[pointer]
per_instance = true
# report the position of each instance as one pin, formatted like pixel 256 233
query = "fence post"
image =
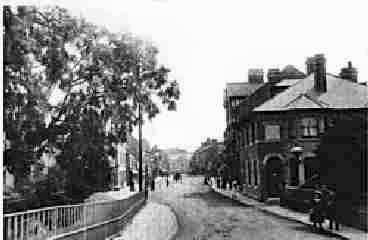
pixel 15 227
pixel 54 219
pixel 21 227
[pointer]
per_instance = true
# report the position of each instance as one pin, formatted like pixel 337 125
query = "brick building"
pixel 234 93
pixel 288 112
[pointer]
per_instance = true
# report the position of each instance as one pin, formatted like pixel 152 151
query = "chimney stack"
pixel 255 75
pixel 349 73
pixel 274 75
pixel 310 65
pixel 320 83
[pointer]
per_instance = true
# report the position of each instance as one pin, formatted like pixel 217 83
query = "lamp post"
pixel 140 171
pixel 297 152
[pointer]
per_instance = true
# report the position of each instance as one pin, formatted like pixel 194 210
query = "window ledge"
pixel 272 140
pixel 306 139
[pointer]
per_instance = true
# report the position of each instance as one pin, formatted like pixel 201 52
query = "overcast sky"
pixel 209 43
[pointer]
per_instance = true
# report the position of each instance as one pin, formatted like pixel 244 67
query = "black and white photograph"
pixel 184 120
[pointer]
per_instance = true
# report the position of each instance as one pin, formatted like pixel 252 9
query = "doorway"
pixel 274 177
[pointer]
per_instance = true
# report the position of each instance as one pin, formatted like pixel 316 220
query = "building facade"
pixel 275 121
pixel 234 93
pixel 209 156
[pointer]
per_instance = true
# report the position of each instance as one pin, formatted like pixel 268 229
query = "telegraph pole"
pixel 140 148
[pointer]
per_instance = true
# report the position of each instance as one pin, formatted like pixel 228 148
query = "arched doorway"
pixel 273 176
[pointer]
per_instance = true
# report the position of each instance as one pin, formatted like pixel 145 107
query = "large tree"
pixel 100 78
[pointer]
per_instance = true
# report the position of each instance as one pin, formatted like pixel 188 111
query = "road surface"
pixel 203 214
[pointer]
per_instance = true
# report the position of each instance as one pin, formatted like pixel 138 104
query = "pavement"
pixel 345 232
pixel 153 222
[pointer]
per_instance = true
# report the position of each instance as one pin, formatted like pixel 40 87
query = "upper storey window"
pixel 309 127
pixel 272 132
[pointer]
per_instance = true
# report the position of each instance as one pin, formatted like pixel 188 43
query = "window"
pixel 294 172
pixel 250 132
pixel 309 127
pixel 255 170
pixel 272 132
pixel 249 172
pixel 292 131
pixel 253 131
pixel 244 135
pixel 322 125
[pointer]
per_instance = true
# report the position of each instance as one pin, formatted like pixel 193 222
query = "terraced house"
pixel 234 93
pixel 293 112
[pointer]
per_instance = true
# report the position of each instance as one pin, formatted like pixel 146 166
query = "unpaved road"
pixel 203 214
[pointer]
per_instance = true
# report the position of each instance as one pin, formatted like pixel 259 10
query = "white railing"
pixel 52 221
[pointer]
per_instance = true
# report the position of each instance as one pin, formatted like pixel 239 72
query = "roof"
pixel 290 69
pixel 239 89
pixel 340 94
pixel 287 82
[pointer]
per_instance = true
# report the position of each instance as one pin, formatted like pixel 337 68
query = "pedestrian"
pixel 317 213
pixel 152 184
pixel 131 181
pixel 167 181
pixel 218 182
pixel 332 211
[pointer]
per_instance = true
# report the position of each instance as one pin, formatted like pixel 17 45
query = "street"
pixel 204 214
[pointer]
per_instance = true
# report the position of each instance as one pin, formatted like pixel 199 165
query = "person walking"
pixel 317 212
pixel 152 184
pixel 332 211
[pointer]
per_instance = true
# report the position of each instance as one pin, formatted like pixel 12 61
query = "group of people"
pixel 178 177
pixel 324 207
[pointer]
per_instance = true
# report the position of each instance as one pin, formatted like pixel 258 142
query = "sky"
pixel 209 43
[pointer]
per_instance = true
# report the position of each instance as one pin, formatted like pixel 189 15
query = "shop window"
pixel 309 127
pixel 272 132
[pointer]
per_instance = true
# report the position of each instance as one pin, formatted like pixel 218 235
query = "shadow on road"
pixel 310 229
pixel 213 199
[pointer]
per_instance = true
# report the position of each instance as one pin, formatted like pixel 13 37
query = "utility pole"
pixel 140 172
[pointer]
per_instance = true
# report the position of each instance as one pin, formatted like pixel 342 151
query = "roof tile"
pixel 341 94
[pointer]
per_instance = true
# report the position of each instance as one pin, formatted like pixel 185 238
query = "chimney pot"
pixel 255 75
pixel 349 73
pixel 274 75
pixel 310 65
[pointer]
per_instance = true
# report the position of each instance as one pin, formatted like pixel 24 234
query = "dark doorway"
pixel 274 177
pixel 310 167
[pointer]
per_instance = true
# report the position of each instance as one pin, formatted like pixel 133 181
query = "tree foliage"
pixel 100 77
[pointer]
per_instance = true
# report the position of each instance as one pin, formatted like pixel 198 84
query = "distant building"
pixel 178 159
pixel 208 157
